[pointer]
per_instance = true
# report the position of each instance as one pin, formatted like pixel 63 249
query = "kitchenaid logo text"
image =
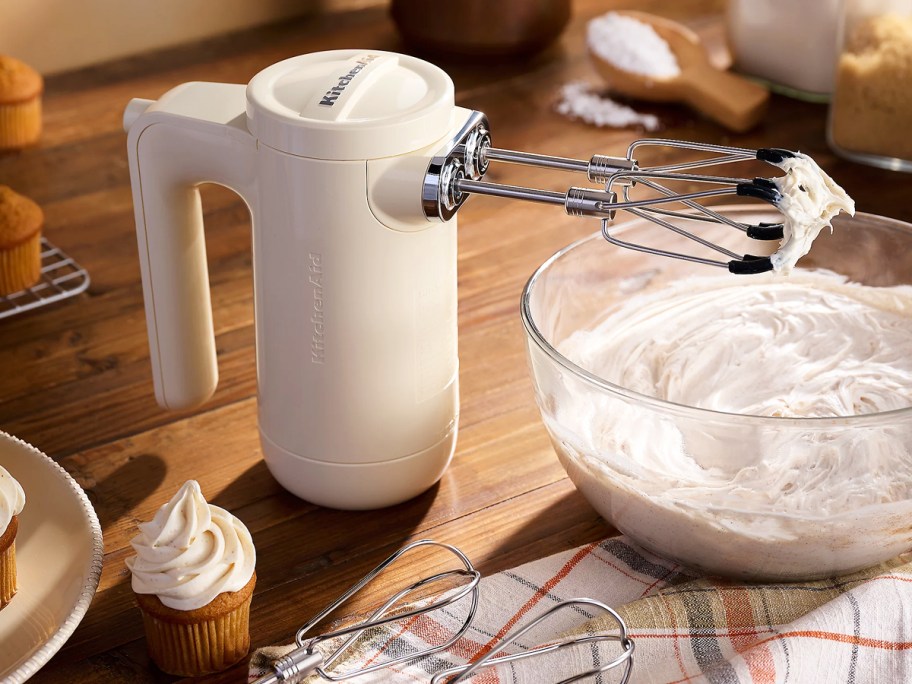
pixel 317 319
pixel 333 93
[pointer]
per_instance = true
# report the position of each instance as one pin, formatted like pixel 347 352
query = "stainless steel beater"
pixel 625 658
pixel 307 658
pixel 456 171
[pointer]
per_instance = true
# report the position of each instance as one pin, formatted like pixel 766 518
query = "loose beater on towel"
pixel 456 171
pixel 308 658
pixel 625 658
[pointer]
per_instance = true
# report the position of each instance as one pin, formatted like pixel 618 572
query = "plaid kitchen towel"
pixel 853 629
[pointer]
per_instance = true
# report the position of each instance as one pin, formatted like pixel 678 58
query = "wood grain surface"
pixel 77 384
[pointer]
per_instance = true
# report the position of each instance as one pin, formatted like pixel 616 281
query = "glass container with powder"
pixel 872 103
pixel 790 45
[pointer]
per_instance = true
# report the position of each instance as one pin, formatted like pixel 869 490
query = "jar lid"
pixel 350 104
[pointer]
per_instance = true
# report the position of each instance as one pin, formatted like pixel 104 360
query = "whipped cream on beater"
pixel 810 200
pixel 191 552
pixel 12 498
pixel 778 498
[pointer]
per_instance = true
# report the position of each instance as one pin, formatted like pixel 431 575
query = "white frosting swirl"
pixel 12 498
pixel 810 200
pixel 191 552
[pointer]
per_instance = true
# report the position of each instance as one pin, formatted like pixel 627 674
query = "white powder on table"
pixel 580 100
pixel 631 45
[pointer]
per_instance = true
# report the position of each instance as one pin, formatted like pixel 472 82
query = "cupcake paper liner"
pixel 202 641
pixel 20 123
pixel 8 581
pixel 201 647
pixel 20 266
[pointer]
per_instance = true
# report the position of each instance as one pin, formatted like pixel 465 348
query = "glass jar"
pixel 790 45
pixel 871 110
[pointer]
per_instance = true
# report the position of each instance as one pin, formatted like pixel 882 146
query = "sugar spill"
pixel 581 100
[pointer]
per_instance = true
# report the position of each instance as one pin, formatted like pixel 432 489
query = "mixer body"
pixel 354 287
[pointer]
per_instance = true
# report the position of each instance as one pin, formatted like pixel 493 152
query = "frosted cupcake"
pixel 193 578
pixel 12 500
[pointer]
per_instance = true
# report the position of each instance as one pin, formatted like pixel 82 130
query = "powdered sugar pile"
pixel 631 45
pixel 580 100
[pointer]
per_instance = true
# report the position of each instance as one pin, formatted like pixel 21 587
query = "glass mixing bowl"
pixel 608 438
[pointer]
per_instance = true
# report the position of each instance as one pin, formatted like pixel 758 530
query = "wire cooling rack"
pixel 61 277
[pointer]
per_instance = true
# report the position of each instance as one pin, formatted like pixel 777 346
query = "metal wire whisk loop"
pixel 454 675
pixel 307 659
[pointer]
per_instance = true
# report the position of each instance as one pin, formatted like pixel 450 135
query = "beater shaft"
pixel 598 168
pixel 468 185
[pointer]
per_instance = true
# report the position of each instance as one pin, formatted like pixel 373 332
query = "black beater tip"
pixel 774 155
pixel 759 188
pixel 750 265
pixel 765 231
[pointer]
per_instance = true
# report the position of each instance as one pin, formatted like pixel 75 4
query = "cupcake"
pixel 193 578
pixel 20 104
pixel 21 221
pixel 12 499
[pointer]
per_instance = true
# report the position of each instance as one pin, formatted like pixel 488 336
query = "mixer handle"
pixel 194 133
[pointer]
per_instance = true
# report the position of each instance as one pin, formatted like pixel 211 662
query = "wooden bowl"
pixel 480 28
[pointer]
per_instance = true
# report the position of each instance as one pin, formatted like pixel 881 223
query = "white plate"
pixel 59 552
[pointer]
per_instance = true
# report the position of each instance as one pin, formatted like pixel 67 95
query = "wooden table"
pixel 77 383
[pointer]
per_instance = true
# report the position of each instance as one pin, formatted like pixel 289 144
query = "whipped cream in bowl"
pixel 756 427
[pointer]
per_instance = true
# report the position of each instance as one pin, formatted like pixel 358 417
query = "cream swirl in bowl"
pixel 809 346
pixel 191 552
pixel 756 427
pixel 12 498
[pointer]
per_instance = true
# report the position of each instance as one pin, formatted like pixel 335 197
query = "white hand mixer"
pixel 353 165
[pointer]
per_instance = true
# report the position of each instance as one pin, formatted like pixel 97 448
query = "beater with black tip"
pixel 458 169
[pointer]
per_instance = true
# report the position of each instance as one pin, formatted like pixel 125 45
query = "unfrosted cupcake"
pixel 20 103
pixel 193 578
pixel 21 221
pixel 12 500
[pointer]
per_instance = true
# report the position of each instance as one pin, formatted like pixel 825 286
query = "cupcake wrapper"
pixel 8 582
pixel 200 647
pixel 20 266
pixel 20 123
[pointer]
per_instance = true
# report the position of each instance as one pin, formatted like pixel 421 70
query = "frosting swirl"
pixel 191 552
pixel 810 200
pixel 12 498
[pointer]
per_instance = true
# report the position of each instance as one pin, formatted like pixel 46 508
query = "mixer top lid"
pixel 350 104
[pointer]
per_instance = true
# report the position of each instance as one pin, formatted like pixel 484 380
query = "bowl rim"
pixel 685 410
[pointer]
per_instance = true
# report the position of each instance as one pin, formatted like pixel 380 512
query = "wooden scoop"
pixel 726 98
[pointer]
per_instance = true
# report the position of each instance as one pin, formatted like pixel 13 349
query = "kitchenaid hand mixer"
pixel 353 165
